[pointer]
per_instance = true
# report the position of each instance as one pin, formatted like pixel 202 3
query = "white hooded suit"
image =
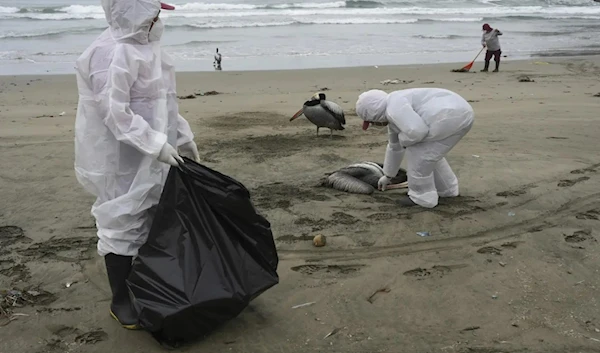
pixel 426 123
pixel 127 111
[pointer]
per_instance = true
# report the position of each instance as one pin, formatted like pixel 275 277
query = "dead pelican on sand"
pixel 322 113
pixel 362 178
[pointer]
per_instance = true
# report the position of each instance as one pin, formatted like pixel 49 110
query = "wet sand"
pixel 499 272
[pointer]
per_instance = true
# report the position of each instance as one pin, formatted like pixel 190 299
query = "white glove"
pixel 383 182
pixel 190 150
pixel 168 154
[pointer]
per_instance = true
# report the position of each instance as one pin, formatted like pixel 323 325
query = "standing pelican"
pixel 322 113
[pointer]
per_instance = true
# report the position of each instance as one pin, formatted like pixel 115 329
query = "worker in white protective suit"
pixel 127 133
pixel 426 123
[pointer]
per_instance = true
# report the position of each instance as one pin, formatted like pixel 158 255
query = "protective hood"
pixel 130 19
pixel 371 106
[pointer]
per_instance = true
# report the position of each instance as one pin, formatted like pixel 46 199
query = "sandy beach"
pixel 499 272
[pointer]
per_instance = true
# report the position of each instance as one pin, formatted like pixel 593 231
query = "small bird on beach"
pixel 322 113
pixel 217 62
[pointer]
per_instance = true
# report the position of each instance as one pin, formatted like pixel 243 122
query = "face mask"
pixel 156 31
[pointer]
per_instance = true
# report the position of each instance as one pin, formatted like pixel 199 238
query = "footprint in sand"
pixel 490 250
pixel 72 249
pixel 343 218
pixel 591 214
pixel 511 193
pixel 66 336
pixel 293 239
pixel 16 272
pixel 10 235
pixel 590 169
pixel 579 236
pixel 328 270
pixel 436 271
pixel 381 216
pixel 92 337
pixel 568 183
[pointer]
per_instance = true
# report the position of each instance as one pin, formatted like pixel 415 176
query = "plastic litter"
pixel 302 305
pixel 208 255
pixel 423 234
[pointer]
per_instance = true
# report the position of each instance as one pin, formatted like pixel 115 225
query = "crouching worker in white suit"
pixel 426 123
pixel 127 133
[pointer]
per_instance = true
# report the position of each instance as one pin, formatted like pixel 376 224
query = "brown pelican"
pixel 322 113
pixel 362 178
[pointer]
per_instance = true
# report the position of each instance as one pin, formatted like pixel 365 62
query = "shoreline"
pixel 554 56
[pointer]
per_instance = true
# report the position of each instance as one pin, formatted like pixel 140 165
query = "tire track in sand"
pixel 542 221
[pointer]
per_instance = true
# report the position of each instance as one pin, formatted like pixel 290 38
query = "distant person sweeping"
pixel 490 39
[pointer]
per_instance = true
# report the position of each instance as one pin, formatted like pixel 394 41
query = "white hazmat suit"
pixel 426 123
pixel 128 126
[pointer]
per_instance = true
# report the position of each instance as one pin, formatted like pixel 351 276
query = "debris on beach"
pixel 10 299
pixel 525 78
pixel 194 95
pixel 597 94
pixel 423 234
pixel 371 299
pixel 395 82
pixel 319 240
pixel 302 305
pixel 209 93
pixel 335 330
pixel 470 328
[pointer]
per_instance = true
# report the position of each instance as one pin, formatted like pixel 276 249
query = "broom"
pixel 468 67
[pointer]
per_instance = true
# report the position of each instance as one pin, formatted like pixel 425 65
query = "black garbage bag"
pixel 208 254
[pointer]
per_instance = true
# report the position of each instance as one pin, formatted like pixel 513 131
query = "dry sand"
pixel 499 272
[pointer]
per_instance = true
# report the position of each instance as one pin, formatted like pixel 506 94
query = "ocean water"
pixel 46 36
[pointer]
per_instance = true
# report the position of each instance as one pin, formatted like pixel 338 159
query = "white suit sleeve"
pixel 394 154
pixel 412 127
pixel 184 132
pixel 127 126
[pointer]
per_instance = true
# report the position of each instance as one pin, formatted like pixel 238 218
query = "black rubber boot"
pixel 405 201
pixel 497 66
pixel 118 268
pixel 487 66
